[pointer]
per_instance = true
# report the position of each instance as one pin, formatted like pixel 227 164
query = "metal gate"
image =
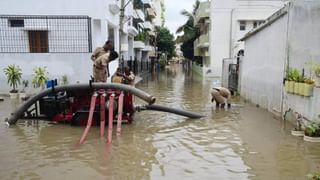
pixel 230 74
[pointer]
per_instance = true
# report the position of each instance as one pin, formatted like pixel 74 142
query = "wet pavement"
pixel 244 142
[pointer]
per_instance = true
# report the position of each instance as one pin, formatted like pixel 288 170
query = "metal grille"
pixel 233 77
pixel 65 34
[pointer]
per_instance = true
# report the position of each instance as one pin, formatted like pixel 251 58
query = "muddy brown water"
pixel 244 142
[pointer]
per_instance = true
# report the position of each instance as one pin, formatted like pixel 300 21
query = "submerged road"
pixel 243 142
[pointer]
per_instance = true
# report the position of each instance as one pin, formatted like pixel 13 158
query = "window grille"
pixel 45 34
pixel 242 25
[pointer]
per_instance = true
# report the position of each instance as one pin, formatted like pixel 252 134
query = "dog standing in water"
pixel 221 95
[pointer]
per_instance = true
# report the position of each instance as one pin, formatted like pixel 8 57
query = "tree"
pixel 165 41
pixel 13 74
pixel 190 32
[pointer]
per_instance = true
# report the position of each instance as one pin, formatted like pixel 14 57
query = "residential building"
pixel 160 9
pixel 230 20
pixel 62 35
pixel 288 39
pixel 57 34
pixel 144 47
pixel 201 44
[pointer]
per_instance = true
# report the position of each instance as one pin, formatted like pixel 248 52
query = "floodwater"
pixel 244 142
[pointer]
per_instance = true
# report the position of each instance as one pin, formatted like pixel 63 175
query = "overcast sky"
pixel 172 14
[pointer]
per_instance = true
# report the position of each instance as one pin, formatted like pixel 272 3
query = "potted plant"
pixel 308 87
pixel 314 176
pixel 298 131
pixel 22 93
pixel 296 77
pixel 300 83
pixel 40 76
pixel 13 74
pixel 312 132
pixel 314 67
pixel 291 77
pixel 65 80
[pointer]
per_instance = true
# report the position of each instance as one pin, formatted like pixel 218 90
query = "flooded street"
pixel 243 142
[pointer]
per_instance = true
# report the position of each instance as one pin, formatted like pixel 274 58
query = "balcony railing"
pixel 138 15
pixel 151 13
pixel 148 26
pixel 202 41
pixel 147 3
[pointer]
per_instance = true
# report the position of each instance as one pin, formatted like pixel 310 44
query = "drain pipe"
pixel 74 87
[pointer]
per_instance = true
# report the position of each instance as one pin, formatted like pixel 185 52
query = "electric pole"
pixel 122 7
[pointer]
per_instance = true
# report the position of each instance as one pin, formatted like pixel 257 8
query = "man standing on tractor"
pixel 101 58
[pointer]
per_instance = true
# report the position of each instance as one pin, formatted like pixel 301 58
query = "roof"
pixel 274 17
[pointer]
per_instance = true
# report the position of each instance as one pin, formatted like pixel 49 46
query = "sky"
pixel 173 18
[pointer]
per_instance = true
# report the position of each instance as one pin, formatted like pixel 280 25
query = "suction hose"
pixel 181 112
pixel 73 87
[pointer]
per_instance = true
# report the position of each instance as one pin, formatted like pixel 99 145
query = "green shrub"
pixel 40 76
pixel 13 74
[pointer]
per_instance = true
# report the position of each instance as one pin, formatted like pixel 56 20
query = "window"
pixel 242 25
pixel 38 41
pixel 111 34
pixel 255 24
pixel 16 23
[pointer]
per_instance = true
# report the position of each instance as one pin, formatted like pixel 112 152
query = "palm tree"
pixel 13 74
pixel 190 31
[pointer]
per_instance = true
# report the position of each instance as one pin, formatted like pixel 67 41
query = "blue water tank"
pixel 52 82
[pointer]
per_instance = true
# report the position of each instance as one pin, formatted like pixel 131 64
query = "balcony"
pixel 146 3
pixel 202 41
pixel 138 45
pixel 148 48
pixel 151 13
pixel 148 26
pixel 152 34
pixel 203 11
pixel 132 31
pixel 152 53
pixel 201 45
pixel 138 15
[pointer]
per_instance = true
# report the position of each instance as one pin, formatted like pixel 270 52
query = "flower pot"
pixel 13 95
pixel 297 133
pixel 301 88
pixel 296 88
pixel 290 86
pixel 308 90
pixel 22 95
pixel 311 139
pixel 286 86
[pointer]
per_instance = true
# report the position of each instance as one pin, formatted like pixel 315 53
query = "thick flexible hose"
pixel 170 110
pixel 73 87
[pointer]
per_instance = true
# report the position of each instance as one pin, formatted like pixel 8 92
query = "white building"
pixel 230 20
pixel 201 44
pixel 159 8
pixel 61 35
pixel 288 39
